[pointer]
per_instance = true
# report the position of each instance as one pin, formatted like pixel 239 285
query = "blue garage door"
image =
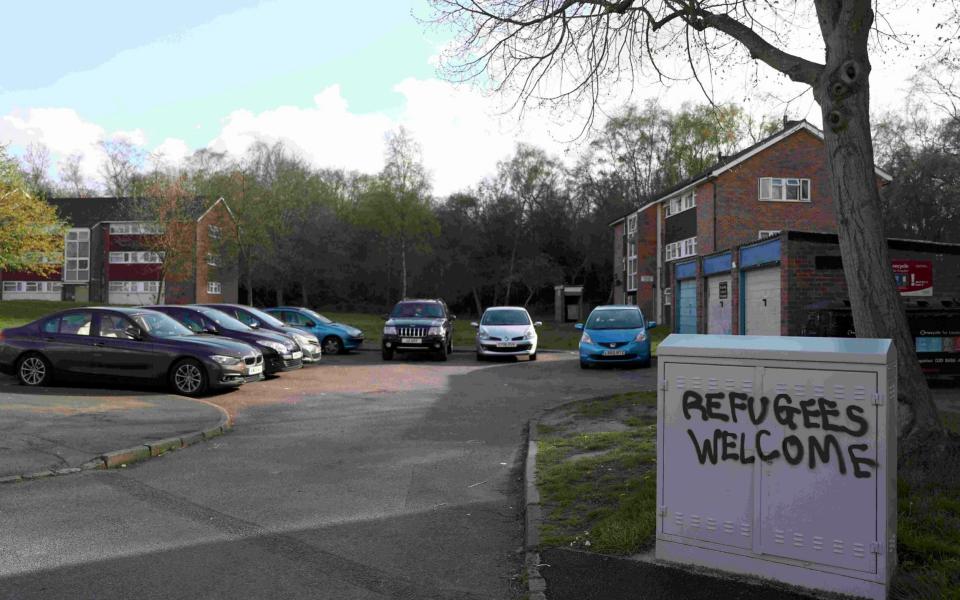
pixel 687 307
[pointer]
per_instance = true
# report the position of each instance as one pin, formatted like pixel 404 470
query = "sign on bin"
pixel 777 458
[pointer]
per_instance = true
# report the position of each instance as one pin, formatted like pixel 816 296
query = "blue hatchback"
pixel 335 338
pixel 615 335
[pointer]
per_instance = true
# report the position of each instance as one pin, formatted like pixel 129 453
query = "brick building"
pixel 779 183
pixel 111 256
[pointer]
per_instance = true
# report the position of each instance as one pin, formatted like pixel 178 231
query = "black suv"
pixel 418 326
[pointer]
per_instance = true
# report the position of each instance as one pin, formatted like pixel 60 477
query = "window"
pixel 680 203
pixel 135 287
pixel 214 232
pixel 136 228
pixel 779 189
pixel 144 257
pixel 632 266
pixel 32 286
pixel 631 224
pixel 114 326
pixel 213 287
pixel 76 323
pixel 765 233
pixel 681 249
pixel 213 260
pixel 76 268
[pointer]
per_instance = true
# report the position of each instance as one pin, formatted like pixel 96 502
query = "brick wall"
pixel 619 267
pixel 740 215
pixel 226 272
pixel 647 260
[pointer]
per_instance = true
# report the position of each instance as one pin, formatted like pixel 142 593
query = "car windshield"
pixel 160 325
pixel 430 310
pixel 223 319
pixel 505 317
pixel 263 317
pixel 626 318
pixel 315 316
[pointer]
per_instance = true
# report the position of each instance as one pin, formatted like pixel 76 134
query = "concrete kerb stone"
pixel 536 584
pixel 126 456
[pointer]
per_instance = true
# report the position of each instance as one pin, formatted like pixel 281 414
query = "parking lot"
pixel 353 478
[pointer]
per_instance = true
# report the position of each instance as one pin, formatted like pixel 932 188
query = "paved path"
pixel 61 427
pixel 352 479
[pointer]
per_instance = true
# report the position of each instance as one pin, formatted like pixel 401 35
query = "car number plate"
pixel 613 352
pixel 297 354
pixel 506 345
pixel 410 340
pixel 255 370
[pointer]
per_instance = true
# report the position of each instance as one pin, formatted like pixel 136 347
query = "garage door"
pixel 718 305
pixel 687 306
pixel 762 301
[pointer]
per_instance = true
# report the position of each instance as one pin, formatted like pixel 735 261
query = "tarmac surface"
pixel 350 479
pixel 60 427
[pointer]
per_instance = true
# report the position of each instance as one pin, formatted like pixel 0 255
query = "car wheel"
pixel 188 377
pixel 442 354
pixel 332 345
pixel 387 354
pixel 533 356
pixel 584 365
pixel 34 370
pixel 645 364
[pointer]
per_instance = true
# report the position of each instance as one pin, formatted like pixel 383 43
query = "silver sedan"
pixel 506 331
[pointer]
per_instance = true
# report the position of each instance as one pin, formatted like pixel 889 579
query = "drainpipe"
pixel 658 297
pixel 714 249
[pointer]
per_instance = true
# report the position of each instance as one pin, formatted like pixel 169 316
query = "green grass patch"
pixel 928 542
pixel 14 313
pixel 598 489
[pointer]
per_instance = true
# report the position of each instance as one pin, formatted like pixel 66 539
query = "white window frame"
pixel 765 233
pixel 32 286
pixel 213 260
pixel 136 257
pixel 214 287
pixel 79 263
pixel 631 266
pixel 135 287
pixel 679 204
pixel 631 225
pixel 775 189
pixel 213 232
pixel 681 249
pixel 136 228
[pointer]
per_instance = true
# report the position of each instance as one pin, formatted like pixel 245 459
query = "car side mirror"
pixel 651 324
pixel 578 326
pixel 453 317
pixel 474 324
pixel 309 324
pixel 538 323
pixel 134 332
pixel 211 330
pixel 255 324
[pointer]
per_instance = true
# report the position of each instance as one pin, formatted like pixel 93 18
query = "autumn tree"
pixel 31 232
pixel 577 50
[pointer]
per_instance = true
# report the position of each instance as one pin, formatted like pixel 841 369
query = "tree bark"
pixel 844 96
pixel 278 292
pixel 476 302
pixel 403 268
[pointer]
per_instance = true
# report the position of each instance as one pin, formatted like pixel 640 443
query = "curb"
pixel 536 584
pixel 126 456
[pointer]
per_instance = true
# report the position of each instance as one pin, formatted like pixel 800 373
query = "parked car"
pixel 506 331
pixel 418 326
pixel 124 344
pixel 258 319
pixel 615 335
pixel 335 338
pixel 280 353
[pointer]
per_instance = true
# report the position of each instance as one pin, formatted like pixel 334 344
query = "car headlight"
pixel 275 346
pixel 228 361
pixel 586 338
pixel 529 334
pixel 435 331
pixel 389 330
pixel 642 336
pixel 483 334
pixel 306 340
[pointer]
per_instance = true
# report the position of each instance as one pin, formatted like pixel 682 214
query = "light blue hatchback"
pixel 335 338
pixel 615 334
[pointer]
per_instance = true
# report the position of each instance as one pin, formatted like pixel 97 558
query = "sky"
pixel 325 79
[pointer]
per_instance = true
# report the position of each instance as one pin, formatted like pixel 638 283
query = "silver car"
pixel 506 331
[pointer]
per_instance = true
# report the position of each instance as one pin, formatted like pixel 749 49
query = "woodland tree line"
pixel 335 238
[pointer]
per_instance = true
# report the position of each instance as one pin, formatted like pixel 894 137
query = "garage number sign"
pixel 724 290
pixel 776 457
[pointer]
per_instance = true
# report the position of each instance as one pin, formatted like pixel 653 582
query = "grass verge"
pixel 14 313
pixel 596 474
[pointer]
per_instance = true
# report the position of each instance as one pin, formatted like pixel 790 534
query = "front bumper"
pixel 633 352
pixel 428 343
pixel 221 376
pixel 518 348
pixel 277 364
pixel 311 353
pixel 352 343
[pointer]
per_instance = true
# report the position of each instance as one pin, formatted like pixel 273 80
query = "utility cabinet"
pixel 777 458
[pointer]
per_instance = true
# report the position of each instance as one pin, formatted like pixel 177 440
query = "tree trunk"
pixel 303 295
pixel 279 295
pixel 476 302
pixel 878 312
pixel 403 268
pixel 249 287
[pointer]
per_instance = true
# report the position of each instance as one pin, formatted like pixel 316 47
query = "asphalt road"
pixel 351 479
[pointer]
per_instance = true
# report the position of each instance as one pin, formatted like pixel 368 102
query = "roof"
pixel 87 212
pixel 772 347
pixel 733 160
